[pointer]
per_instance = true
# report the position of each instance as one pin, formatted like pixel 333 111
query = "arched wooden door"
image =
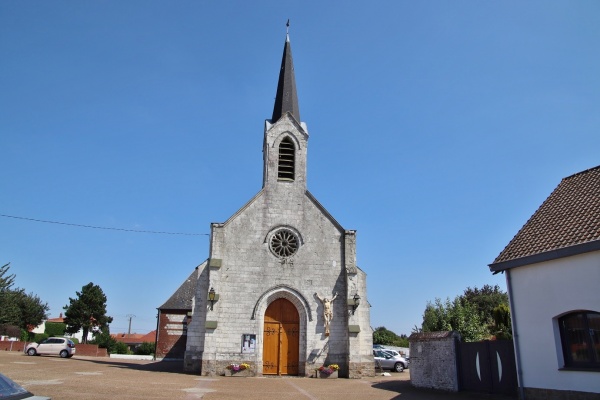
pixel 281 339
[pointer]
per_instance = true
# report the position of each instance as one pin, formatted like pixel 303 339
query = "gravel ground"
pixel 104 378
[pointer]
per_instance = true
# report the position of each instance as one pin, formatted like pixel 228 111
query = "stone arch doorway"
pixel 281 338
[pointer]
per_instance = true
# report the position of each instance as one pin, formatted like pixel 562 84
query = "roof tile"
pixel 568 217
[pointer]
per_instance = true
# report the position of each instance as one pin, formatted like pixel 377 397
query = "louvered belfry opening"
pixel 286 160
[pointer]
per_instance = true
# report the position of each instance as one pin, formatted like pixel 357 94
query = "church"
pixel 280 290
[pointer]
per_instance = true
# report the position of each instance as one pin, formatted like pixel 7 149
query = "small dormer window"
pixel 287 154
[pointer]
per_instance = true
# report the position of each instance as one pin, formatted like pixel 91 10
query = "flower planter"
pixel 240 373
pixel 323 375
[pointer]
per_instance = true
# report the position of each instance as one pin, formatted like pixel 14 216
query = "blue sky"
pixel 436 129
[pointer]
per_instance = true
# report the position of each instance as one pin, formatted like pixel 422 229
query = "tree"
pixel 6 282
pixel 471 314
pixel 502 323
pixel 31 309
pixel 453 316
pixel 386 337
pixel 18 308
pixel 10 330
pixel 87 311
pixel 485 300
pixel 9 313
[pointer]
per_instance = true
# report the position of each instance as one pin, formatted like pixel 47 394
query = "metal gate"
pixel 488 367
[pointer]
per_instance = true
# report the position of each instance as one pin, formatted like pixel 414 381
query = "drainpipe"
pixel 515 335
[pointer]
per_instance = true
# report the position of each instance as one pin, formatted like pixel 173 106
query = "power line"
pixel 103 227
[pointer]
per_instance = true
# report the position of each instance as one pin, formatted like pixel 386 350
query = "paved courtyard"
pixel 105 378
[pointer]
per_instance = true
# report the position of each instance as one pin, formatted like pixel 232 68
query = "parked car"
pixel 396 354
pixel 386 360
pixel 10 390
pixel 55 345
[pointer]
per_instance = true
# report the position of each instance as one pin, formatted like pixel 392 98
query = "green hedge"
pixel 55 329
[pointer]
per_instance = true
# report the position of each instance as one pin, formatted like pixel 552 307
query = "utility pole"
pixel 130 316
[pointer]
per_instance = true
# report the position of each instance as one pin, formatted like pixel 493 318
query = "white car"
pixel 396 354
pixel 386 360
pixel 58 346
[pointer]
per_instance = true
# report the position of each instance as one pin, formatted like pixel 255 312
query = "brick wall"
pixel 91 350
pixel 6 345
pixel 172 334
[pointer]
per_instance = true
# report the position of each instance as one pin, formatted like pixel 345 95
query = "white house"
pixel 41 328
pixel 552 268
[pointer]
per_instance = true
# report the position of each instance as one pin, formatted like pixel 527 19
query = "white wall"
pixel 541 293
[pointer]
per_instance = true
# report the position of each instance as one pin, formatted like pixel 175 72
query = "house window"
pixel 580 335
pixel 287 153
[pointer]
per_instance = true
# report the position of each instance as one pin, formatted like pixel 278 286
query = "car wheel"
pixel 64 354
pixel 398 367
pixel 31 352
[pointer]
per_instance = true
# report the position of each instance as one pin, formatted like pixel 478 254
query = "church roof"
pixel 183 296
pixel 567 223
pixel 286 99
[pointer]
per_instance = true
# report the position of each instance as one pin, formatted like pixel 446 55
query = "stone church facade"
pixel 281 290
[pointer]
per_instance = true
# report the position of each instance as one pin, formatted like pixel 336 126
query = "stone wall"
pixel 247 276
pixel 433 358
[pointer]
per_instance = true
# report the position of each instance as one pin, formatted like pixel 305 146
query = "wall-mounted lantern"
pixel 356 299
pixel 212 296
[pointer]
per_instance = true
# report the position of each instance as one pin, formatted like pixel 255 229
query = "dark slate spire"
pixel 287 97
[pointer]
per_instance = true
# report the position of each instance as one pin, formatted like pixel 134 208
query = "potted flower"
pixel 242 369
pixel 330 371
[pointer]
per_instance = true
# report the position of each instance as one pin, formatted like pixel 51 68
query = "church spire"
pixel 286 98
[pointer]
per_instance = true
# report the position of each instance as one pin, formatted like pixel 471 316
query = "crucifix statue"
pixel 327 310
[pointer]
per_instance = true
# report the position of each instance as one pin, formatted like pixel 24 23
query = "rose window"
pixel 284 243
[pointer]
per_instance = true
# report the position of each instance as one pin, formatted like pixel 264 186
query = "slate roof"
pixel 183 296
pixel 286 98
pixel 567 223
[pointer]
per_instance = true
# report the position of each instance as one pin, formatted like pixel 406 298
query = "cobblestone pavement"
pixel 105 378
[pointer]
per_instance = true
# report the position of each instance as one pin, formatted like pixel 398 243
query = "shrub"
pixel 26 336
pixel 39 337
pixel 104 341
pixel 145 349
pixel 120 348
